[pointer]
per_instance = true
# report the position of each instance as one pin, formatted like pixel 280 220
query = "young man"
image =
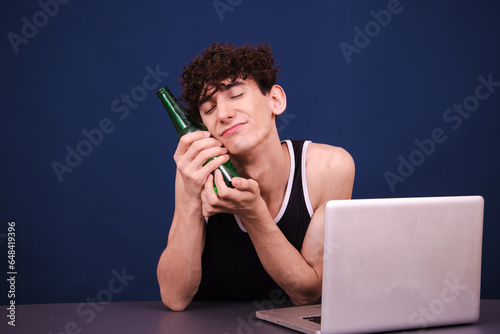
pixel 264 237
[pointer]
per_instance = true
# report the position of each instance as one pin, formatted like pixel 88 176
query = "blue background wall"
pixel 96 233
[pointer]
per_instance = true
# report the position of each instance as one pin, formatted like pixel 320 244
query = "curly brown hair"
pixel 220 62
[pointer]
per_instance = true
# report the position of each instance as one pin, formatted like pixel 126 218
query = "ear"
pixel 278 99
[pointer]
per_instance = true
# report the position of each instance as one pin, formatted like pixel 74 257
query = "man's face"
pixel 238 114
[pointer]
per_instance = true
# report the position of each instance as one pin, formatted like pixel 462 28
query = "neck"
pixel 269 165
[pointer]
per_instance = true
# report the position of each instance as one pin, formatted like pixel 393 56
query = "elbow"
pixel 175 295
pixel 305 299
pixel 176 299
pixel 175 303
pixel 307 296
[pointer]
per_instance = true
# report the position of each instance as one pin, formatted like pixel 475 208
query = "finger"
pixel 209 190
pixel 194 136
pixel 206 210
pixel 195 142
pixel 213 163
pixel 240 183
pixel 199 151
pixel 243 184
pixel 186 140
pixel 209 197
pixel 220 184
pixel 204 199
pixel 213 157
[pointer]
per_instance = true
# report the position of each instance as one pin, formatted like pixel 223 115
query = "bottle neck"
pixel 182 123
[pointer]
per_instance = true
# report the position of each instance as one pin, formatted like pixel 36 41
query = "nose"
pixel 224 112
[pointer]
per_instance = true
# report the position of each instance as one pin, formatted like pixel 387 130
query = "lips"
pixel 229 131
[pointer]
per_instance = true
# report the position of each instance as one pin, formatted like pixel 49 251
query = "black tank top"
pixel 231 269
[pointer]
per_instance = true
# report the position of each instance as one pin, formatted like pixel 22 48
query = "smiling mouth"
pixel 231 130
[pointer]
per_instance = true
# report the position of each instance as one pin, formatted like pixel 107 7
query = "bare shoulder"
pixel 326 155
pixel 329 173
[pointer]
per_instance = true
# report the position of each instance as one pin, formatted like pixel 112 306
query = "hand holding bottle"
pixel 243 200
pixel 185 125
pixel 191 157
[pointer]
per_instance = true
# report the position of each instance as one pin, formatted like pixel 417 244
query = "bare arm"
pixel 179 267
pixel 299 274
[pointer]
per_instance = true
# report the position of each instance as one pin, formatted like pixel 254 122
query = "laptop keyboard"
pixel 314 318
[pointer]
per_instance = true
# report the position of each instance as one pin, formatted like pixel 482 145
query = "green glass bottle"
pixel 185 124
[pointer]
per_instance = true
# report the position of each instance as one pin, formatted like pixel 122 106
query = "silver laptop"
pixel 393 264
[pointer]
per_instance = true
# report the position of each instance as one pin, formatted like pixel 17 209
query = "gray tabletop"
pixel 201 317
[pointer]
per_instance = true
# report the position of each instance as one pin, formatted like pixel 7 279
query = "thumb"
pixel 243 184
pixel 239 183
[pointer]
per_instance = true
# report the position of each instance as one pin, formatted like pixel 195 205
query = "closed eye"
pixel 209 111
pixel 236 96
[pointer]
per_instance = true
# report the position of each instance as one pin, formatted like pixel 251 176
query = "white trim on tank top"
pixel 289 185
pixel 304 180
